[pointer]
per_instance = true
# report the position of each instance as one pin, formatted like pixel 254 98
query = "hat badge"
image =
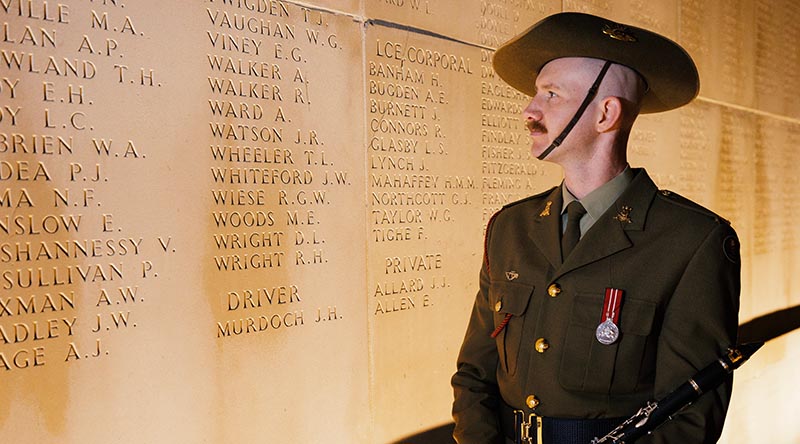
pixel 618 32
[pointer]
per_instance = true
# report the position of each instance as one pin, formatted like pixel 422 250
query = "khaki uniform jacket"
pixel 678 265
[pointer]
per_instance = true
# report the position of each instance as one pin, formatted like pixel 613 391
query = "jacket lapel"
pixel 545 231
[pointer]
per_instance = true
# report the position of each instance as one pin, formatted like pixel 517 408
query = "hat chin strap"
pixel 589 97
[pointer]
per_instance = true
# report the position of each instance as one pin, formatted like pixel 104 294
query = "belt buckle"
pixel 522 428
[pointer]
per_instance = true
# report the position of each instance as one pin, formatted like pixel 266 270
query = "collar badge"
pixel 546 211
pixel 511 275
pixel 624 215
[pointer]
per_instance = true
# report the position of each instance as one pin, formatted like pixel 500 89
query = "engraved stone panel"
pixel 745 52
pixel 499 20
pixel 424 238
pixel 774 177
pixel 699 130
pixel 175 233
pixel 447 148
pixel 355 7
pixel 89 258
pixel 733 196
pixel 655 141
pixel 777 57
pixel 718 35
pixel 285 224
pixel 661 17
pixel 487 22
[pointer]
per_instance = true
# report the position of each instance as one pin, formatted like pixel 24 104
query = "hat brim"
pixel 669 71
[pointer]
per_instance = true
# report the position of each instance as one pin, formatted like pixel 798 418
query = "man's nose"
pixel 532 111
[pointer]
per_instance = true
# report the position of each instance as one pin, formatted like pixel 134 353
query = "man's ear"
pixel 609 114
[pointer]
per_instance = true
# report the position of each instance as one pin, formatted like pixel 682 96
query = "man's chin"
pixel 537 148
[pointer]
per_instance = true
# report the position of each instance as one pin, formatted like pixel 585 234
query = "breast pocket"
pixel 589 366
pixel 509 298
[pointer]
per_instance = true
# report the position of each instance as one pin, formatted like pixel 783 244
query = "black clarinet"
pixel 657 412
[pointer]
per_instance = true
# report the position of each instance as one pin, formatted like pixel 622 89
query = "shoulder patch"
pixel 677 199
pixel 730 246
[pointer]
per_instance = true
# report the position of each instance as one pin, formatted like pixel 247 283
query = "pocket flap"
pixel 637 317
pixel 510 297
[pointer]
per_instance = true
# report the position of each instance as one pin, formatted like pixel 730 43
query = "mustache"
pixel 534 125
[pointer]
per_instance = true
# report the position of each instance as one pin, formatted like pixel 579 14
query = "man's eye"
pixel 551 95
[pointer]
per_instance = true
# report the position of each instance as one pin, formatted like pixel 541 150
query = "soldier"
pixel 604 292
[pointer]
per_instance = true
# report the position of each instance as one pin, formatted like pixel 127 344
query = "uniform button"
pixel 554 290
pixel 531 402
pixel 542 345
pixel 498 306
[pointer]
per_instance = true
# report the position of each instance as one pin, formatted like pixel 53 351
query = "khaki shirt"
pixel 598 201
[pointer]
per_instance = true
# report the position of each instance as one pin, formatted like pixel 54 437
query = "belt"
pixel 557 430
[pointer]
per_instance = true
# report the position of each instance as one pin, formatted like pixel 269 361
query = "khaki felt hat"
pixel 667 68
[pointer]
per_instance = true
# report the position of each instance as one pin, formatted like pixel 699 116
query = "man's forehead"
pixel 571 63
pixel 565 70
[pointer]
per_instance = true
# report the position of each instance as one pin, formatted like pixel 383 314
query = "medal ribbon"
pixel 611 305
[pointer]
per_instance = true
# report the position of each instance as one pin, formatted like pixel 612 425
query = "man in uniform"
pixel 604 292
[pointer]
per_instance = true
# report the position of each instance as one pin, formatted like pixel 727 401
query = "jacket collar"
pixel 545 231
pixel 608 235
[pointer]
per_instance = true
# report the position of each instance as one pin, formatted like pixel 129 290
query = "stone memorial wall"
pixel 262 220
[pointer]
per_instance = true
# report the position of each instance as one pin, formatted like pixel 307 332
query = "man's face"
pixel 561 86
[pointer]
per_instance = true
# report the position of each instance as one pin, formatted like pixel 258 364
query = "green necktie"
pixel 572 234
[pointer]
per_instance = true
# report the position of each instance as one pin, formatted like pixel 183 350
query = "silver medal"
pixel 607 332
